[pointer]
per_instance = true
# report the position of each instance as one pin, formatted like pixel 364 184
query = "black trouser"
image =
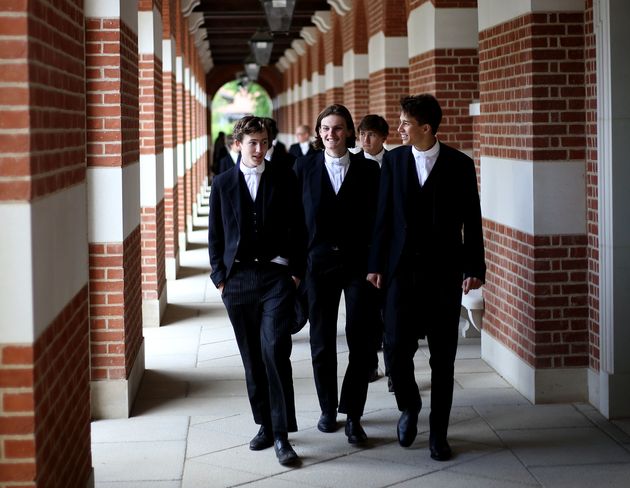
pixel 324 294
pixel 259 299
pixel 420 305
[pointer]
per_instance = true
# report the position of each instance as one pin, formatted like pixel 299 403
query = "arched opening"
pixel 236 99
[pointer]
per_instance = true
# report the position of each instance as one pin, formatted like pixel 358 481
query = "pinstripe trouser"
pixel 259 299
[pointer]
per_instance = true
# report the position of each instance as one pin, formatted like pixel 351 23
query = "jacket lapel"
pixel 234 191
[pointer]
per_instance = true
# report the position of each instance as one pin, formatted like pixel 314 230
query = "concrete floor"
pixel 191 422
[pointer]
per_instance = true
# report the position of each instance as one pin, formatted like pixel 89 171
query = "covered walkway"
pixel 191 422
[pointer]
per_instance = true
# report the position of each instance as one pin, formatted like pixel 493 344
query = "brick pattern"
pixel 592 194
pixel 42 108
pixel 536 295
pixel 181 180
pixel 112 93
pixel 153 251
pixel 169 19
pixel 385 16
pixel 333 51
pixel 335 95
pixel 532 88
pixel 452 75
pixel 386 88
pixel 356 95
pixel 45 404
pixel 151 105
pixel 171 201
pixel 115 307
pixel 354 29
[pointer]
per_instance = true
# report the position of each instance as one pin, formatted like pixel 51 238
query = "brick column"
pixel 533 197
pixel 171 243
pixel 443 60
pixel 180 36
pixel 44 330
pixel 151 162
pixel 355 62
pixel 333 59
pixel 188 161
pixel 388 62
pixel 318 78
pixel 117 346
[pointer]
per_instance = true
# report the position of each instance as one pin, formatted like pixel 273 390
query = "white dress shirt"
pixel 252 177
pixel 425 160
pixel 377 157
pixel 304 146
pixel 337 169
pixel 234 155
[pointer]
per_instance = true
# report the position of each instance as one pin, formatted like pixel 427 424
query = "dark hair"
pixel 229 140
pixel 273 128
pixel 424 108
pixel 374 123
pixel 342 111
pixel 250 125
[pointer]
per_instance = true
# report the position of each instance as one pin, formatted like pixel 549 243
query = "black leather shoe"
pixel 408 427
pixel 440 450
pixel 327 422
pixel 354 431
pixel 284 451
pixel 262 440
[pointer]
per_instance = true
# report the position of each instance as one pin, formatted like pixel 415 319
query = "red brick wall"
pixel 112 93
pixel 356 96
pixel 532 82
pixel 452 75
pixel 592 194
pixel 536 295
pixel 181 180
pixel 115 307
pixel 44 386
pixel 45 395
pixel 335 95
pixel 151 105
pixel 42 135
pixel 386 88
pixel 171 220
pixel 152 236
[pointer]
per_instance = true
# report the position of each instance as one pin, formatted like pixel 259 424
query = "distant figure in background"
pixel 373 130
pixel 231 158
pixel 277 153
pixel 218 152
pixel 303 146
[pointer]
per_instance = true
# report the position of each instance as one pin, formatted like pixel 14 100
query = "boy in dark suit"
pixel 428 246
pixel 257 253
pixel 373 131
pixel 231 158
pixel 303 146
pixel 339 192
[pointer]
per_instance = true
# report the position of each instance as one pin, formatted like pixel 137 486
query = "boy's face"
pixel 372 142
pixel 334 132
pixel 301 134
pixel 411 132
pixel 253 148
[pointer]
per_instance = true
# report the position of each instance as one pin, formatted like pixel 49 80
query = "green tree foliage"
pixel 234 100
